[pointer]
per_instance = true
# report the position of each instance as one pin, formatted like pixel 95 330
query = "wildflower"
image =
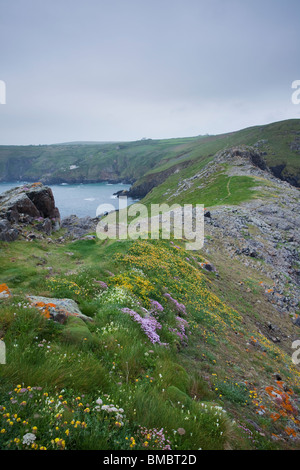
pixel 29 438
pixel 149 324
pixel 181 431
pixel 132 442
pixel 156 306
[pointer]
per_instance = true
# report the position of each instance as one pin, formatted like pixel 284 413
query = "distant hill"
pixel 147 162
pixel 86 142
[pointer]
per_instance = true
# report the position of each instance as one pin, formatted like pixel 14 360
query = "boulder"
pixel 78 227
pixel 30 204
pixel 57 309
pixel 4 291
pixel 7 233
pixel 42 198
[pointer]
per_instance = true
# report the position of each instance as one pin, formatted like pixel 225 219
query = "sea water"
pixel 80 199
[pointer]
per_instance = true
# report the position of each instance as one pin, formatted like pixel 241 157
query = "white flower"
pixel 99 401
pixel 28 438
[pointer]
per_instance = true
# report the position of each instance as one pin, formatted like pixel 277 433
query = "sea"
pixel 82 199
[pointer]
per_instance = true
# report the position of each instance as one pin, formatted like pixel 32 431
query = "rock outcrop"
pixel 57 309
pixel 32 205
pixel 79 227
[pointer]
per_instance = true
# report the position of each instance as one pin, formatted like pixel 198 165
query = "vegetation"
pixel 146 159
pixel 158 366
pixel 176 356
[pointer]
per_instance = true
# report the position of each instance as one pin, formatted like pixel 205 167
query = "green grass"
pixel 139 160
pixel 220 189
pixel 173 387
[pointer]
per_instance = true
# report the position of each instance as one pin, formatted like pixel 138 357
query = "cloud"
pixel 115 70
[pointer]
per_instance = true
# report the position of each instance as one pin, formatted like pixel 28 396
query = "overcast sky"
pixel 107 70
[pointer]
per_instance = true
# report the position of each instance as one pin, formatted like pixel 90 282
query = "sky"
pixel 123 70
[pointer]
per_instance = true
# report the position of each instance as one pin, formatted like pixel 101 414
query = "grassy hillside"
pixel 146 159
pixel 186 350
pixel 197 380
pixel 278 143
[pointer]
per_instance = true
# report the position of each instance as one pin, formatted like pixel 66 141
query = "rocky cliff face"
pixel 27 207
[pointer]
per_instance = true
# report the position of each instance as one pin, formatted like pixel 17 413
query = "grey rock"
pixel 26 205
pixel 60 309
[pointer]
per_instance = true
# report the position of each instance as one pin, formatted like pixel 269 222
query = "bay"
pixel 80 199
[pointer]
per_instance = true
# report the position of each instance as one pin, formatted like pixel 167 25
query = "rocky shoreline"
pixel 28 209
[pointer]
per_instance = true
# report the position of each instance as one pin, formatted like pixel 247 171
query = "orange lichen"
pixel 290 431
pixel 45 308
pixel 275 416
pixel 4 291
